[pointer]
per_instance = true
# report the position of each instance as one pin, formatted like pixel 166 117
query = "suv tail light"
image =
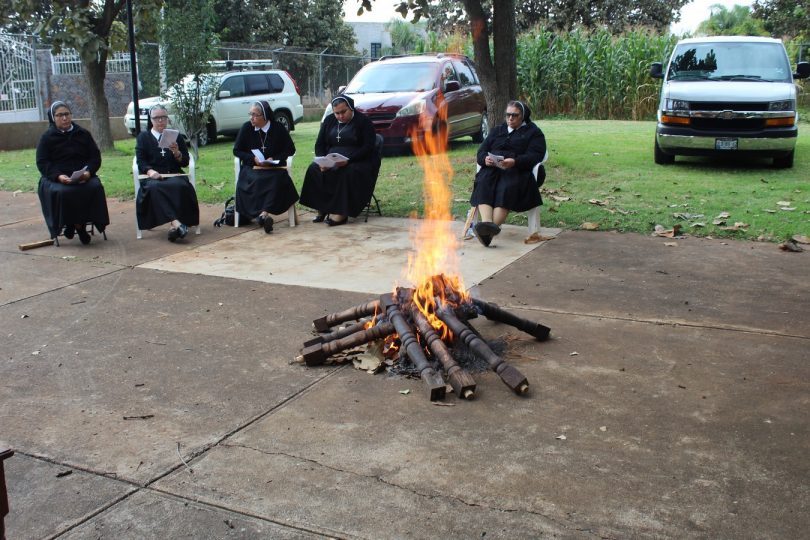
pixel 295 83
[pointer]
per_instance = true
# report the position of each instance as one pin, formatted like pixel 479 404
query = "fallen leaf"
pixel 723 215
pixel 367 362
pixel 219 187
pixel 738 226
pixel 698 224
pixel 791 246
pixel 602 428
pixel 561 437
pixel 35 353
pixel 718 222
pixel 597 202
pixel 443 404
pixel 671 244
pixel 783 203
pixel 667 233
pixel 558 198
pixel 787 208
pixel 24 316
pixel 770 211
pixel 589 226
pixel 405 392
pixel 575 353
pixel 801 239
pixel 686 216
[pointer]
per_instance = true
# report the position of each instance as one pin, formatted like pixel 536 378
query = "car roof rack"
pixel 240 65
pixel 436 54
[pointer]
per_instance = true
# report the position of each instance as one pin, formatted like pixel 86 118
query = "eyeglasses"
pixel 160 118
pixel 513 115
pixel 63 114
pixel 256 115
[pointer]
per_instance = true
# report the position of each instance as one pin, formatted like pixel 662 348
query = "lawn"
pixel 599 172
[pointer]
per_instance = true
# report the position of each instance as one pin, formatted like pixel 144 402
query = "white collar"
pixel 510 130
pixel 156 134
pixel 68 130
pixel 266 128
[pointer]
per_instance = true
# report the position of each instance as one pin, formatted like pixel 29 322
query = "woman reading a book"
pixel 69 191
pixel 505 181
pixel 166 194
pixel 344 188
pixel 264 186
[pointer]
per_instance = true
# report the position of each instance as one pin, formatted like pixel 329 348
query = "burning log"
pixel 495 313
pixel 462 382
pixel 326 322
pixel 434 382
pixel 316 354
pixel 513 378
pixel 337 334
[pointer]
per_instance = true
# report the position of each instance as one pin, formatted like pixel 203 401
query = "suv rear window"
pixel 257 84
pixel 276 82
pixel 382 77
pixel 235 85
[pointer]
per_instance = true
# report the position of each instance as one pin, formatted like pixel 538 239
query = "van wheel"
pixel 661 158
pixel 284 119
pixel 208 135
pixel 484 131
pixel 784 162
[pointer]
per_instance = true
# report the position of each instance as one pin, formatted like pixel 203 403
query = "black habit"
pixel 343 190
pixel 269 190
pixel 514 189
pixel 161 201
pixel 63 152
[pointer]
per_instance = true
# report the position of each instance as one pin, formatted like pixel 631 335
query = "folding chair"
pixel 291 213
pixel 378 147
pixel 137 177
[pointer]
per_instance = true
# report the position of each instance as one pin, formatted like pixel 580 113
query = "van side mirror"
pixel 452 86
pixel 341 89
pixel 657 70
pixel 802 70
pixel 224 94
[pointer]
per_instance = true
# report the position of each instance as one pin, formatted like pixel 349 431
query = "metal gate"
pixel 18 81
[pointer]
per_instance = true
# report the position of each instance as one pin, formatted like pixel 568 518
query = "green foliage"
pixel 404 37
pixel 785 18
pixel 736 21
pixel 591 75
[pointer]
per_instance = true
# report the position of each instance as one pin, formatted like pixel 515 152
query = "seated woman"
pixel 505 182
pixel 69 191
pixel 170 199
pixel 345 189
pixel 263 190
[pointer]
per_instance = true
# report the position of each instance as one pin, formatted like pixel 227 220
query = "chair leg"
pixel 292 215
pixel 199 229
pixel 534 220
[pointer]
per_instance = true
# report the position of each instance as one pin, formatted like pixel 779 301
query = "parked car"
pixel 395 90
pixel 728 95
pixel 237 90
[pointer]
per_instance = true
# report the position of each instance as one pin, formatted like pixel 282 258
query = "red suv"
pixel 395 90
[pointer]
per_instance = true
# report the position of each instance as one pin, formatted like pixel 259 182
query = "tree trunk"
pixel 500 85
pixel 96 71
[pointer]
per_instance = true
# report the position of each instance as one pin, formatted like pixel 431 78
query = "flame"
pixel 433 264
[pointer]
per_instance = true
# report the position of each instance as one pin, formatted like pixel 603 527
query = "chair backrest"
pixel 378 144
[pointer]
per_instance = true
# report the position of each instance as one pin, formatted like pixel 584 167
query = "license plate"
pixel 725 144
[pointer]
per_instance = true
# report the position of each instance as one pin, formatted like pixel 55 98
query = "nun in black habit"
pixel 508 185
pixel 344 190
pixel 261 190
pixel 164 199
pixel 69 204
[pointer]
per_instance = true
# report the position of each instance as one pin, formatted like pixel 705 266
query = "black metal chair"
pixel 378 146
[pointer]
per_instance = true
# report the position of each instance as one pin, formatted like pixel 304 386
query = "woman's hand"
pixel 175 151
pixel 508 163
pixel 489 162
pixel 84 177
pixel 153 174
pixel 63 179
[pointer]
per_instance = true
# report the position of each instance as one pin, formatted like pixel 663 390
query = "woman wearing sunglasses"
pixel 505 182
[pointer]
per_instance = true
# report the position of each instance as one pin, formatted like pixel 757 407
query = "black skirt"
pixel 344 191
pixel 73 204
pixel 260 190
pixel 505 188
pixel 161 201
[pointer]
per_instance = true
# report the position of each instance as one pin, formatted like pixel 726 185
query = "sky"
pixel 692 14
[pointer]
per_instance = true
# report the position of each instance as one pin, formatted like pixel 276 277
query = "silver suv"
pixel 237 90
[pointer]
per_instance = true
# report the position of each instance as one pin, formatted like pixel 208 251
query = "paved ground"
pixel 678 376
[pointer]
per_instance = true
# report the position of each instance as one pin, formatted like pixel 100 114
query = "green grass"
pixel 608 161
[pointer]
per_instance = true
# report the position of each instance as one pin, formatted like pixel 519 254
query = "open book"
pixel 330 160
pixel 168 137
pixel 76 176
pixel 264 162
pixel 497 159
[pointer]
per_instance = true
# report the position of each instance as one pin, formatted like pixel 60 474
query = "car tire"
pixel 208 135
pixel 784 162
pixel 484 131
pixel 284 119
pixel 441 131
pixel 661 158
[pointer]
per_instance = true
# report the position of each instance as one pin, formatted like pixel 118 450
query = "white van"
pixel 728 95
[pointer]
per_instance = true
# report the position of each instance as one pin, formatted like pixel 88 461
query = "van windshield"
pixel 382 77
pixel 730 61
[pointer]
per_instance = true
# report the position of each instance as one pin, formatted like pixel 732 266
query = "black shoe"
pixel 319 218
pixel 174 234
pixel 485 230
pixel 267 223
pixel 182 231
pixel 333 223
pixel 260 220
pixel 84 236
pixel 69 232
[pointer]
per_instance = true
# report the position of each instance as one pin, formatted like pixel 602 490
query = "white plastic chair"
pixel 291 212
pixel 136 177
pixel 532 214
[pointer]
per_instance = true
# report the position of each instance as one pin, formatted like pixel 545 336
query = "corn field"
pixel 591 75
